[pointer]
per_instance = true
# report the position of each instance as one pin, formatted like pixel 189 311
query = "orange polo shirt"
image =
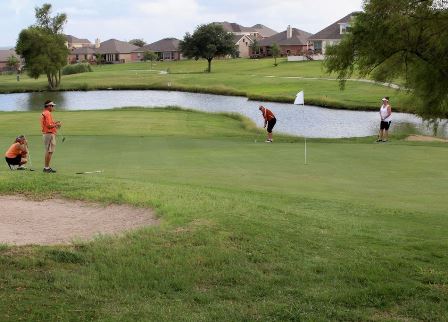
pixel 268 115
pixel 46 123
pixel 14 150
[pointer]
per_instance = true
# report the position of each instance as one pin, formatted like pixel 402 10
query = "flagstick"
pixel 305 153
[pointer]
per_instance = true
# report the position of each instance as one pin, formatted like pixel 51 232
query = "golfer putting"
pixel 16 155
pixel 49 131
pixel 269 121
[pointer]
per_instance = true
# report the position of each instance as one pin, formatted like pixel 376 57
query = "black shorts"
pixel 271 124
pixel 385 125
pixel 14 161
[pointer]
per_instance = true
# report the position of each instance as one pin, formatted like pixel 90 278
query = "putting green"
pixel 248 231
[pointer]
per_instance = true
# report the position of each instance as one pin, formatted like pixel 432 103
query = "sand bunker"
pixel 422 138
pixel 58 221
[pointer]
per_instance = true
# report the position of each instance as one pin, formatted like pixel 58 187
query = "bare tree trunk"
pixel 209 65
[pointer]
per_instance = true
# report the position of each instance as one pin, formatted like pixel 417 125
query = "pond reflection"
pixel 309 121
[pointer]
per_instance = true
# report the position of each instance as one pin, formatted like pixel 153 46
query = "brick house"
pixel 4 57
pixel 332 34
pixel 166 49
pixel 292 41
pixel 243 43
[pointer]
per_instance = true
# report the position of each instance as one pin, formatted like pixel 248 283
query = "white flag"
pixel 300 99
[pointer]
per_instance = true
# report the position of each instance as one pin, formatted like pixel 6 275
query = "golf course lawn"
pixel 256 79
pixel 248 232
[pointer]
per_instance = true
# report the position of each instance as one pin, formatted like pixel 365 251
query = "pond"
pixel 308 121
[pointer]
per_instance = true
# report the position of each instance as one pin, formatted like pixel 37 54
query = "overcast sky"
pixel 156 19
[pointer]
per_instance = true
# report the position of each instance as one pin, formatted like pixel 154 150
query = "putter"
pixel 29 158
pixel 62 135
pixel 90 172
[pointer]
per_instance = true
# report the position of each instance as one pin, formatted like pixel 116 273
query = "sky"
pixel 152 20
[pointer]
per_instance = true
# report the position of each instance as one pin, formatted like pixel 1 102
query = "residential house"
pixel 72 42
pixel 243 43
pixel 4 57
pixel 83 54
pixel 115 51
pixel 332 34
pixel 239 30
pixel 292 41
pixel 166 49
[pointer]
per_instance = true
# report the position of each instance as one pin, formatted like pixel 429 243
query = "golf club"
pixel 90 172
pixel 29 156
pixel 62 135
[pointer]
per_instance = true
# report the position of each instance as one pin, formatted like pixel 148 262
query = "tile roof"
pixel 264 31
pixel 73 39
pixel 299 37
pixel 333 30
pixel 114 46
pixel 5 54
pixel 163 45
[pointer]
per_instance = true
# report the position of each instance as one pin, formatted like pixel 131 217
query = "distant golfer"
pixel 386 119
pixel 16 156
pixel 269 121
pixel 49 130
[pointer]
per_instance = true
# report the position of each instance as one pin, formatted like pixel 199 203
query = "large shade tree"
pixel 208 41
pixel 401 39
pixel 42 46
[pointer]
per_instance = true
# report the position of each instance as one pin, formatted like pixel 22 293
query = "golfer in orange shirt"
pixel 49 130
pixel 16 156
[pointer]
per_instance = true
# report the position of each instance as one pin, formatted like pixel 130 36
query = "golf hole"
pixel 59 221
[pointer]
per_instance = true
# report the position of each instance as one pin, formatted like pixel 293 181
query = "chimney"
pixel 289 32
pixel 97 43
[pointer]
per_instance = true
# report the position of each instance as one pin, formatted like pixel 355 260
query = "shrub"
pixel 76 69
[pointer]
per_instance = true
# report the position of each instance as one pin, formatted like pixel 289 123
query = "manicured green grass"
pixel 257 79
pixel 248 232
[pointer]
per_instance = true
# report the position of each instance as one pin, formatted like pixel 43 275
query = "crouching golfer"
pixel 16 156
pixel 269 120
pixel 49 130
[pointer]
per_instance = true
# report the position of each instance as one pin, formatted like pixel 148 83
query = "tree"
pixel 254 47
pixel 137 42
pixel 42 46
pixel 275 52
pixel 400 39
pixel 98 58
pixel 13 62
pixel 150 55
pixel 208 42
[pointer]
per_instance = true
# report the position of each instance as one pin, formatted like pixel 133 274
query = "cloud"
pixel 18 5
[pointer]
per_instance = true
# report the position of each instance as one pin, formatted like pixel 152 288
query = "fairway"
pixel 247 231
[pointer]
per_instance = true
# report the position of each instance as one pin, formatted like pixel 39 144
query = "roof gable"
pixel 264 31
pixel 5 54
pixel 114 46
pixel 163 45
pixel 299 37
pixel 333 30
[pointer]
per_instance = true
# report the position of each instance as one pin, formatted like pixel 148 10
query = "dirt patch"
pixel 57 221
pixel 422 138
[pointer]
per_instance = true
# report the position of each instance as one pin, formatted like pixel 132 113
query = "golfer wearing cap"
pixel 49 130
pixel 16 156
pixel 386 119
pixel 269 120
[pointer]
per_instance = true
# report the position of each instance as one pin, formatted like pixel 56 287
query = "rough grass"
pixel 248 231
